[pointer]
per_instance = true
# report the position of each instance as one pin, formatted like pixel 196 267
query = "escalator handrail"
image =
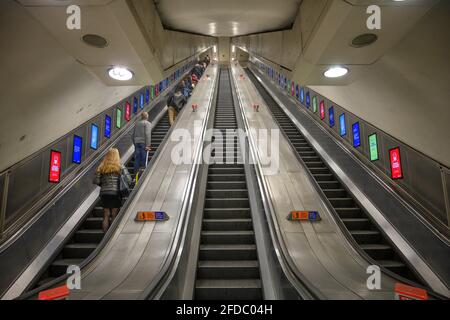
pixel 303 286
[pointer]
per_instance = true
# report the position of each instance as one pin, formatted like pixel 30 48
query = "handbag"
pixel 123 186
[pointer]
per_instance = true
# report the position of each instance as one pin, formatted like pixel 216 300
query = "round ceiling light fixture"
pixel 336 72
pixel 120 73
pixel 364 40
pixel 95 40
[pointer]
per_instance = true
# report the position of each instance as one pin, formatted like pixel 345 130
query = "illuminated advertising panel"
pixel 331 116
pixel 314 104
pixel 342 125
pixel 119 118
pixel 293 88
pixel 302 95
pixel 107 126
pixel 297 92
pixel 135 105
pixel 77 149
pixel 128 111
pixel 142 101
pixel 54 175
pixel 396 164
pixel 322 110
pixel 356 135
pixel 156 90
pixel 373 147
pixel 147 96
pixel 308 100
pixel 94 137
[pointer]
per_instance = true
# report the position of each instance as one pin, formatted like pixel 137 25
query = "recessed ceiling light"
pixel 336 72
pixel 364 40
pixel 120 73
pixel 95 40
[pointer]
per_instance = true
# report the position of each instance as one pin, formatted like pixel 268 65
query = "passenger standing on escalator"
pixel 175 103
pixel 111 176
pixel 142 140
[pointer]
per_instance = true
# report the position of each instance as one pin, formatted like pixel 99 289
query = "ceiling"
pixel 227 18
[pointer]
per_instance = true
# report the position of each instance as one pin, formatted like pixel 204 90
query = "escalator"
pixel 228 266
pixel 356 222
pixel 88 235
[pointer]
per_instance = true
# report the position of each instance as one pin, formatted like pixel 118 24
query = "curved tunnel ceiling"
pixel 228 18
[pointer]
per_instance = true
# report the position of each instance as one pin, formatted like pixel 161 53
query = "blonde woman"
pixel 109 174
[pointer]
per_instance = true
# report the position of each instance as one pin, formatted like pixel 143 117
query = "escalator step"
pixel 227 224
pixel 228 237
pixel 366 236
pixel 234 269
pixel 241 289
pixel 78 250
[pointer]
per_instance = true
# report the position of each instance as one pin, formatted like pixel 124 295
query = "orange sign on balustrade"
pixel 405 292
pixel 59 293
pixel 151 216
pixel 304 216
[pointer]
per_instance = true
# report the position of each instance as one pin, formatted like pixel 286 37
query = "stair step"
pixel 357 223
pixel 228 252
pixel 227 224
pixel 366 236
pixel 231 269
pixel 226 203
pixel 241 289
pixel 226 213
pixel 89 236
pixel 228 237
pixel 78 250
pixel 226 193
pixel 59 267
pixel 378 251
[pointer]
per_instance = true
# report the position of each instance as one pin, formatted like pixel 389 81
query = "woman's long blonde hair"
pixel 110 163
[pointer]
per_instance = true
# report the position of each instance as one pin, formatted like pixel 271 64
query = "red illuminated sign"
pixel 322 110
pixel 128 111
pixel 396 163
pixel 55 167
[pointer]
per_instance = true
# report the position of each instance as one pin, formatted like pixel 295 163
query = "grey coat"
pixel 143 133
pixel 110 183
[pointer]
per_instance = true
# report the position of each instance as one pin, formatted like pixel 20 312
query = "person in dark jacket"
pixel 142 140
pixel 175 103
pixel 108 177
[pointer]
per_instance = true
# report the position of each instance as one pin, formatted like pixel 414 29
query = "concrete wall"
pixel 224 50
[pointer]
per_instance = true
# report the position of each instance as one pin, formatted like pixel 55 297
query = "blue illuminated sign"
pixel 308 100
pixel 302 95
pixel 343 125
pixel 135 105
pixel 147 96
pixel 356 135
pixel 331 116
pixel 297 92
pixel 142 101
pixel 107 126
pixel 94 137
pixel 77 149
